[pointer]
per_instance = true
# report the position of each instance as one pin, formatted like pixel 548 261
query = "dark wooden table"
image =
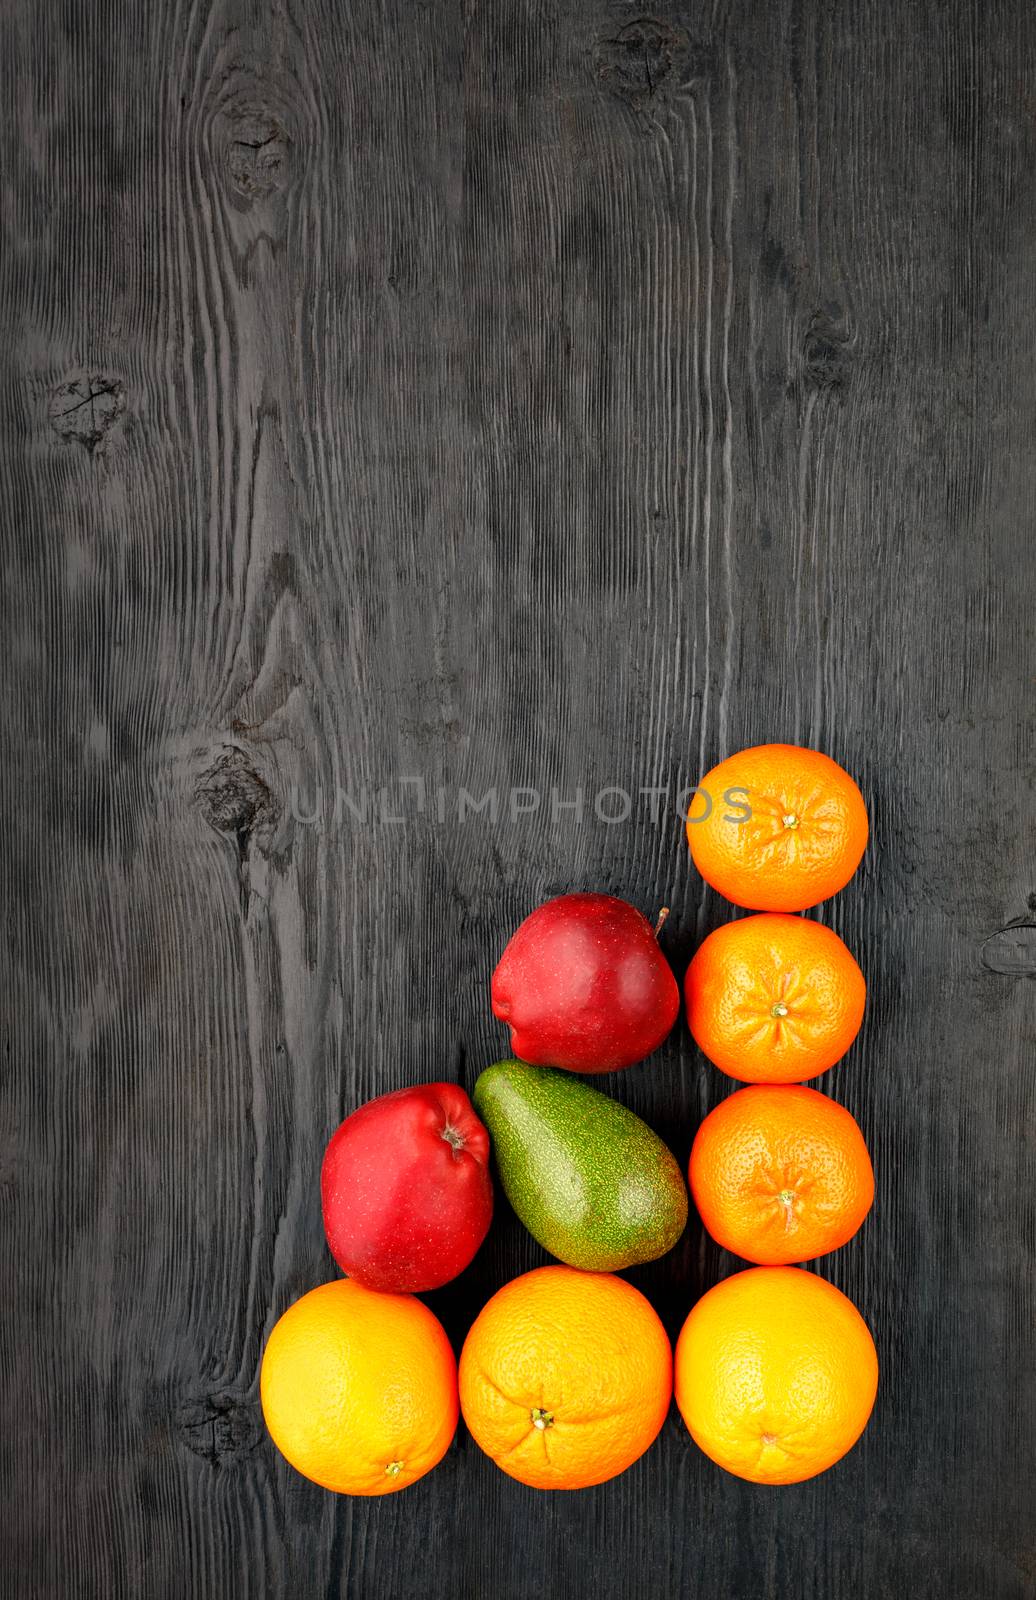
pixel 501 396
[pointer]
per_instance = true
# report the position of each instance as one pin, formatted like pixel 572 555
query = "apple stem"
pixel 454 1138
pixel 661 920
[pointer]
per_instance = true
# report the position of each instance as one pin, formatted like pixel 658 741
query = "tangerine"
pixel 803 836
pixel 780 1174
pixel 774 998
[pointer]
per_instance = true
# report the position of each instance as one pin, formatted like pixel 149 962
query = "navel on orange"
pixel 359 1389
pixel 774 998
pixel 565 1377
pixel 803 836
pixel 780 1174
pixel 776 1374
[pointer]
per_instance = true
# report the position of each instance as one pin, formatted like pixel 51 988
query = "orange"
pixel 776 1374
pixel 359 1389
pixel 565 1377
pixel 774 999
pixel 780 1174
pixel 802 841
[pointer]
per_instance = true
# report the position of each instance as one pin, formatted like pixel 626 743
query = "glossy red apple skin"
pixel 584 986
pixel 405 1188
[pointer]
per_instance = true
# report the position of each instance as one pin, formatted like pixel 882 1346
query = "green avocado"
pixel 591 1181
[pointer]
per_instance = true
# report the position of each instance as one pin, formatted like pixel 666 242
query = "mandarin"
pixel 780 1174
pixel 774 998
pixel 802 839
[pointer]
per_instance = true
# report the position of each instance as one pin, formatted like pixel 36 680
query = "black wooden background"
pixel 497 394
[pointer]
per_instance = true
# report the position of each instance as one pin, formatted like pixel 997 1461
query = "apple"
pixel 584 986
pixel 405 1189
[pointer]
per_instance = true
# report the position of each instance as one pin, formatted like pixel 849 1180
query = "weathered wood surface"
pixel 496 394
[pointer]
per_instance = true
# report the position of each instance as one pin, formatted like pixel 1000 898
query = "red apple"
pixel 584 986
pixel 406 1190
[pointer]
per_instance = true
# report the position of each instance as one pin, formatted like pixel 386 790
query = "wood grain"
pixel 535 395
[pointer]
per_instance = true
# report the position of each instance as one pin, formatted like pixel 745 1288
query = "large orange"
pixel 777 828
pixel 359 1389
pixel 774 999
pixel 565 1377
pixel 776 1374
pixel 780 1174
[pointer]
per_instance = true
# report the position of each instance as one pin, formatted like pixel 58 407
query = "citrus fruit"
pixel 565 1377
pixel 780 1174
pixel 776 1374
pixel 359 1389
pixel 774 999
pixel 777 828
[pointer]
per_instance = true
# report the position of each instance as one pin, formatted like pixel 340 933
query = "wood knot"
pixel 826 352
pixel 86 408
pixel 258 152
pixel 644 59
pixel 234 799
pixel 1011 952
pixel 220 1428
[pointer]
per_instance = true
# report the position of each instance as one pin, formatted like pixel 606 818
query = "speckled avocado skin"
pixel 591 1181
